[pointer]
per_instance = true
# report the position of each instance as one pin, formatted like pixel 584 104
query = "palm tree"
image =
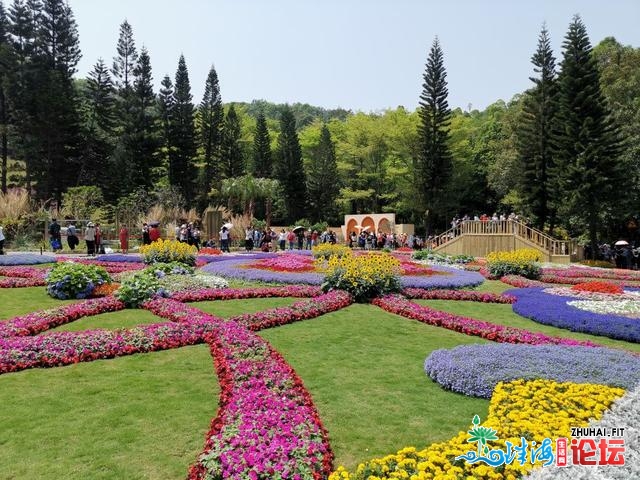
pixel 246 189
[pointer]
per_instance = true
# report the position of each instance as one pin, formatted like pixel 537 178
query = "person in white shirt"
pixel 224 239
pixel 90 238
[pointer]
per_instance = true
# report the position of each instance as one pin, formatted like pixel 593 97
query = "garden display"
pixel 268 424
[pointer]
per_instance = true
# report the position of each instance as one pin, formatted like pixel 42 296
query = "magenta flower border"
pixel 469 326
pixel 461 295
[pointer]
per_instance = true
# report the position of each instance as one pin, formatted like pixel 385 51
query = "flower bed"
pixel 533 409
pixel 267 425
pixel 18 277
pixel 588 272
pixel 12 259
pixel 598 287
pixel 535 304
pixel 475 370
pixel 238 267
pixel 285 263
pixel 65 348
pixel 37 322
pixel 109 266
pixel 446 277
pixel 498 333
pixel 304 310
pixel 120 258
pixel 466 295
pixel 298 291
pixel 521 282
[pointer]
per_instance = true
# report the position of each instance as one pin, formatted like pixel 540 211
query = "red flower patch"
pixel 598 287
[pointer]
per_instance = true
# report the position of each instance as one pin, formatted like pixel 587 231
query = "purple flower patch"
pixel 541 307
pixel 475 370
pixel 25 259
pixel 449 278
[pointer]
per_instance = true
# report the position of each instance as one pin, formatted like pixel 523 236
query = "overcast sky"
pixel 357 54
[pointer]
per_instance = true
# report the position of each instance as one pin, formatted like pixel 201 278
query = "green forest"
pixel 564 154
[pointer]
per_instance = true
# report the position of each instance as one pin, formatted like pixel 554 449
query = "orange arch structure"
pixel 369 224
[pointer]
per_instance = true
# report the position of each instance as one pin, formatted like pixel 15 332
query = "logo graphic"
pixel 591 447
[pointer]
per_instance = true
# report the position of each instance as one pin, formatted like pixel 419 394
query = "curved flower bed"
pixel 491 331
pixel 12 259
pixel 465 295
pixel 37 322
pixel 240 267
pixel 267 425
pixel 625 411
pixel 237 267
pixel 553 310
pixel 521 282
pixel 304 310
pixel 298 291
pixel 65 348
pixel 18 277
pixel 475 370
pixel 556 407
pixel 591 273
pixel 119 257
pixel 110 267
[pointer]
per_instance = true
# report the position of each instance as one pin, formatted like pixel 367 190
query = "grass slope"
pixel 363 367
pixel 138 417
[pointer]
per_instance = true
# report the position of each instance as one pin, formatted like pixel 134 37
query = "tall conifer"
pixel 323 181
pixel 433 166
pixel 232 157
pixel 211 128
pixel 288 168
pixel 587 140
pixel 182 135
pixel 539 111
pixel 262 165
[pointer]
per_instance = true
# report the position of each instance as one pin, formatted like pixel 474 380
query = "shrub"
pixel 364 276
pixel 167 251
pixel 440 258
pixel 171 268
pixel 74 280
pixel 521 262
pixel 140 287
pixel 326 250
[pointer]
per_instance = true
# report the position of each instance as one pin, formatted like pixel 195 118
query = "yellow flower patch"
pixel 535 410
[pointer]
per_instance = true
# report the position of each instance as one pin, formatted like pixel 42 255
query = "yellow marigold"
pixel 533 409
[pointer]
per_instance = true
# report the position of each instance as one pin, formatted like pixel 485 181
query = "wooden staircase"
pixel 478 238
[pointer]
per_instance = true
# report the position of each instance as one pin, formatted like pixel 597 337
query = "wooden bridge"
pixel 478 238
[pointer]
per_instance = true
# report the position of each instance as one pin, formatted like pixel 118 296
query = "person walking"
pixel 1 241
pixel 124 239
pixel 54 235
pixel 90 238
pixel 72 236
pixel 224 239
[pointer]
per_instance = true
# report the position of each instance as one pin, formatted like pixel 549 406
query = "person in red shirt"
pixel 124 239
pixel 154 233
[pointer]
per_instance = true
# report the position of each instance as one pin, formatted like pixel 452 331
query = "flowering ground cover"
pixel 19 276
pixel 477 369
pixel 554 310
pixel 268 425
pixel 25 259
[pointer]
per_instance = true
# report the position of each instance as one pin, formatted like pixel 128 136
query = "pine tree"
pixel 56 126
pixel 534 132
pixel 182 150
pixel 124 63
pixel 166 103
pixel 288 168
pixel 232 157
pixel 587 141
pixel 99 124
pixel 5 73
pixel 23 27
pixel 323 182
pixel 433 164
pixel 145 136
pixel 211 128
pixel 262 166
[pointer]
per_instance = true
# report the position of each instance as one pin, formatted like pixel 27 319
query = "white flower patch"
pixel 435 263
pixel 625 412
pixel 625 308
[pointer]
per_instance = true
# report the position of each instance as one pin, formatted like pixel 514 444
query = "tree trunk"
pixel 3 140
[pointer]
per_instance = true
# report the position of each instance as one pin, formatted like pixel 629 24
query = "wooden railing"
pixel 505 227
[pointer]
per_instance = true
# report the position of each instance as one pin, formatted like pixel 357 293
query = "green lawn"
pixel 18 301
pixel 138 417
pixel 364 368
